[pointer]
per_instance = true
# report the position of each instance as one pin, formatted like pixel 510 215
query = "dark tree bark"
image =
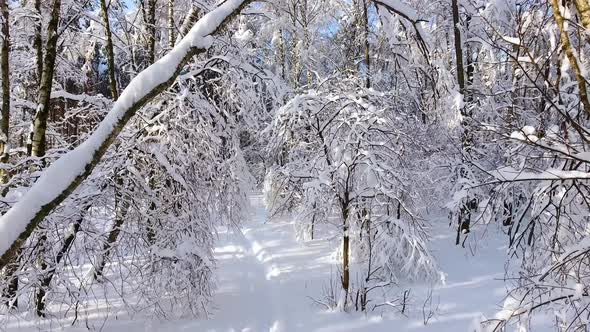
pixel 49 272
pixel 345 248
pixel 148 8
pixel 367 46
pixel 458 47
pixel 5 72
pixel 111 240
pixel 38 41
pixel 110 53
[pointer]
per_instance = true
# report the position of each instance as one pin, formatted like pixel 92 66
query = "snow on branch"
pixel 68 172
pixel 95 100
pixel 408 13
pixel 509 174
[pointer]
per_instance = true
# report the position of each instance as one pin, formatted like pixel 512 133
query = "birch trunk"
pixel 38 45
pixel 282 54
pixel 566 46
pixel 189 21
pixel 584 10
pixel 171 24
pixel 43 105
pixel 39 139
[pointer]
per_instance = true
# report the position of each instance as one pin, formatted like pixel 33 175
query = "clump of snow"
pixel 527 133
pixel 518 135
pixel 244 35
pixel 528 130
pixel 578 291
pixel 512 40
pixel 511 307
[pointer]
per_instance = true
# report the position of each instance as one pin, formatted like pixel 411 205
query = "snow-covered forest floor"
pixel 132 133
pixel 267 280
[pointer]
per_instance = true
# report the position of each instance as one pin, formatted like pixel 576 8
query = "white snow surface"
pixel 267 281
pixel 60 175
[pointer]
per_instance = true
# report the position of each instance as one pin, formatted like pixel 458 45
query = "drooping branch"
pixel 68 172
pixel 410 15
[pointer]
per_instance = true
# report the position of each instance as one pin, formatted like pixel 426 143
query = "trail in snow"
pixel 267 282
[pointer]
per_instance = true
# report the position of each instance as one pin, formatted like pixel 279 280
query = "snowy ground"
pixel 267 281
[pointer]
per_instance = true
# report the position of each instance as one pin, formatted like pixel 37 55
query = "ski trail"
pixel 249 297
pixel 267 279
pixel 244 299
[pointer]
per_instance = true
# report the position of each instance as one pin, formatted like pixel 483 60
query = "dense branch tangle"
pixel 22 219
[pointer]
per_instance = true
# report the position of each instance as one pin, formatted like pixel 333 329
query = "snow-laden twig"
pixel 68 172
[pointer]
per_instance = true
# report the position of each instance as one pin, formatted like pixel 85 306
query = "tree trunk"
pixel 345 251
pixel 282 55
pixel 43 104
pixel 463 219
pixel 189 21
pixel 296 49
pixel 458 47
pixel 367 49
pixel 39 143
pixel 5 76
pixel 312 228
pixel 149 18
pixel 38 41
pixel 569 52
pixel 38 45
pixel 306 40
pixel 111 240
pixel 49 272
pixel 584 10
pixel 10 292
pixel 10 271
pixel 171 24
pixel 110 52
